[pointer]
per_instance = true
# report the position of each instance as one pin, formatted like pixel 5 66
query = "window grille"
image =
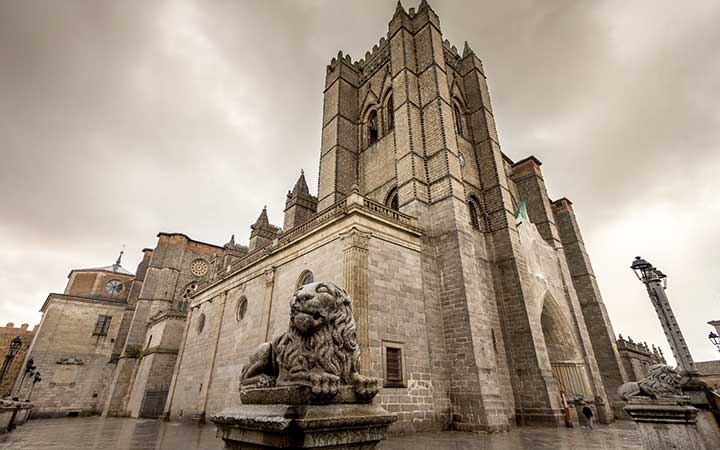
pixel 393 366
pixel 102 325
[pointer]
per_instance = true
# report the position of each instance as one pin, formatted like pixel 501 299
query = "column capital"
pixel 269 276
pixel 355 239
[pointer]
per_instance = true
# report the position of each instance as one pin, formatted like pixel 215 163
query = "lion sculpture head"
pixel 661 381
pixel 322 334
pixel 319 350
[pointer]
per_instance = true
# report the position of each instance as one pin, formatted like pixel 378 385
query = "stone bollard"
pixel 303 390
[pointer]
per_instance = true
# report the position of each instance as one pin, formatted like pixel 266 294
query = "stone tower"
pixel 300 206
pixel 411 124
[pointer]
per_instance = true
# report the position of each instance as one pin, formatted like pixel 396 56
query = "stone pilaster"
pixel 202 408
pixel 269 277
pixel 356 283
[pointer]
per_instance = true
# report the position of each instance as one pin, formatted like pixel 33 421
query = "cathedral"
pixel 476 302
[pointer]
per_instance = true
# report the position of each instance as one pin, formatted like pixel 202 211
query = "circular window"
pixel 199 267
pixel 306 277
pixel 200 323
pixel 241 309
pixel 114 287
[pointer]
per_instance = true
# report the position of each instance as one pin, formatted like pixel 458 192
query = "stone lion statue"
pixel 662 381
pixel 319 350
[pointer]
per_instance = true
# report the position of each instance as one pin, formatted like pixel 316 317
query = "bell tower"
pixel 389 127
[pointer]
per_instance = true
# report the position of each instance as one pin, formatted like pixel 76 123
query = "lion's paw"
pixel 324 384
pixel 264 381
pixel 365 387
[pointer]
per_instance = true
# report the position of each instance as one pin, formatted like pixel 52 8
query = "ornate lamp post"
pixel 715 339
pixel 655 281
pixel 15 345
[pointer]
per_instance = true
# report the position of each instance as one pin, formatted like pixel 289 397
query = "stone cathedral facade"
pixel 475 299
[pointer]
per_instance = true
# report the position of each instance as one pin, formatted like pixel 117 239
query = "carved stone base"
pixel 666 424
pixel 266 427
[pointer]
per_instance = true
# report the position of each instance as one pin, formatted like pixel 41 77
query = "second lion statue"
pixel 319 350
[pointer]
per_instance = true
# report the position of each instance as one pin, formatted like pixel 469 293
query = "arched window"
pixel 306 277
pixel 389 114
pixel 372 127
pixel 459 119
pixel 241 308
pixel 200 324
pixel 392 199
pixel 473 210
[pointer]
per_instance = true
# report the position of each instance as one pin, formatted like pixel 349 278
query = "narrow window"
pixel 373 127
pixel 459 120
pixel 102 325
pixel 200 325
pixel 389 114
pixel 474 220
pixel 393 367
pixel 241 309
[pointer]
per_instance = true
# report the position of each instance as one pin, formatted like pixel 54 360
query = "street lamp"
pixel 656 282
pixel 715 339
pixel 15 345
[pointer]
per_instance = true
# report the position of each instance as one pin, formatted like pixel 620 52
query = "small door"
pixel 153 404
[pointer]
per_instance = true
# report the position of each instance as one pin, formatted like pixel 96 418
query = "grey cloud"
pixel 122 119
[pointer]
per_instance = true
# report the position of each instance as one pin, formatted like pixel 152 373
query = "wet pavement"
pixel 95 433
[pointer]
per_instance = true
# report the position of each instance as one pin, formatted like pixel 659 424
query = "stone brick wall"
pixel 17 366
pixel 74 364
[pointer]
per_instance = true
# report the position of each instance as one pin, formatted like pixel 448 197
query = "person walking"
pixel 587 412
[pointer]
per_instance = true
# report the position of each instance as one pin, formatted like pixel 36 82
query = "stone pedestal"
pixel 292 418
pixel 343 426
pixel 666 424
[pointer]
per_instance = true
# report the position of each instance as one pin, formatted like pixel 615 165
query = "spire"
pixel 423 5
pixel 467 51
pixel 399 8
pixel 119 258
pixel 232 241
pixel 301 186
pixel 262 220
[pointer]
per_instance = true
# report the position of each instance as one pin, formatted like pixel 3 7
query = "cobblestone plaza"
pixel 132 434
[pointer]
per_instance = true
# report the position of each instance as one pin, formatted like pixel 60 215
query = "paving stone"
pixel 91 433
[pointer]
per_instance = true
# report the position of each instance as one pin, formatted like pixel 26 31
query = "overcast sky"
pixel 122 119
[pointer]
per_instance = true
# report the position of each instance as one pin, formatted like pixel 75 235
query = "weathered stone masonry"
pixel 475 300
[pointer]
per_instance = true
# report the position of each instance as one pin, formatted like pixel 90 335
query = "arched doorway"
pixel 566 361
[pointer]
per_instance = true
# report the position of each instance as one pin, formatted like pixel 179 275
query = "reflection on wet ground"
pixel 91 433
